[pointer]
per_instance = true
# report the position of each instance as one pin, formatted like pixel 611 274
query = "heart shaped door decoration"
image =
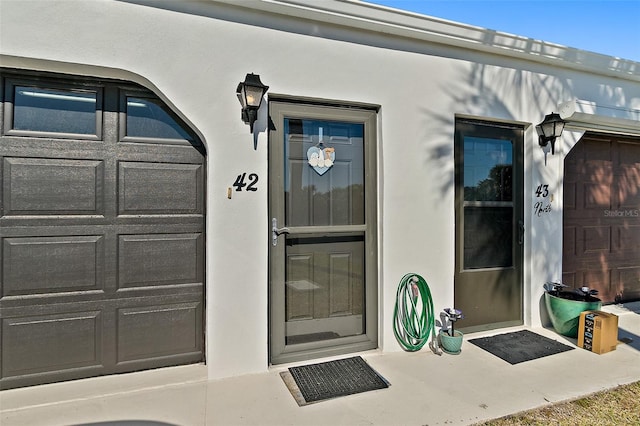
pixel 321 159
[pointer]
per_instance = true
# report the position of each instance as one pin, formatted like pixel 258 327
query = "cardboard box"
pixel 598 331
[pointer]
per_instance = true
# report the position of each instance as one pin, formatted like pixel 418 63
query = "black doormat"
pixel 520 346
pixel 326 380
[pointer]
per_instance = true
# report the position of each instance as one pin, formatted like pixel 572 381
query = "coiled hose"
pixel 413 316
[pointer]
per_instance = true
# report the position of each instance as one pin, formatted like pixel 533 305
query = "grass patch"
pixel 618 406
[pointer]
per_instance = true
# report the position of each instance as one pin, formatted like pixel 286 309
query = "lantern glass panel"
pixel 253 95
pixel 548 128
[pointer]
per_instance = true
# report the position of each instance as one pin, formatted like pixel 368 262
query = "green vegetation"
pixel 619 406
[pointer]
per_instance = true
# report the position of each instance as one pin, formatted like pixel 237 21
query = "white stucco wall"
pixel 194 57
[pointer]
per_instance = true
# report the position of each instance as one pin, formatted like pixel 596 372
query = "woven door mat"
pixel 326 380
pixel 520 346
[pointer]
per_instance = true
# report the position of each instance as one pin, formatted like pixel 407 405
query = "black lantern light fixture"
pixel 250 93
pixel 550 129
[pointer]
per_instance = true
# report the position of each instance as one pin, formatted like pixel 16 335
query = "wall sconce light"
pixel 550 129
pixel 250 93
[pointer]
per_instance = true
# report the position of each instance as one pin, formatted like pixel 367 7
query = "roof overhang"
pixel 363 16
pixel 586 115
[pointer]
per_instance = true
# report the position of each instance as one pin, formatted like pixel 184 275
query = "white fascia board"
pixel 364 16
pixel 586 115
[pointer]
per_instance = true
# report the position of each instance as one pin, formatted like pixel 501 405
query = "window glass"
pixel 488 168
pixel 149 118
pixel 488 178
pixel 54 110
pixel 329 193
pixel 488 236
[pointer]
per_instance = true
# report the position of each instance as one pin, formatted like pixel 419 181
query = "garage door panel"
pixel 569 246
pixel 68 149
pixel 156 188
pixel 182 152
pixel 159 331
pixel 628 172
pixel 597 195
pixel 629 238
pixel 596 239
pixel 629 282
pixel 599 276
pixel 629 190
pixel 570 194
pixel 597 158
pixel 629 199
pixel 569 278
pixel 47 265
pixel 42 343
pixel 628 176
pixel 160 259
pixel 629 160
pixel 42 186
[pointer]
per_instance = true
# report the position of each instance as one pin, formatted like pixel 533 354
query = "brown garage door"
pixel 602 216
pixel 102 231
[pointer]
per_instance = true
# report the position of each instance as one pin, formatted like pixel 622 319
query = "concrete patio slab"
pixel 426 389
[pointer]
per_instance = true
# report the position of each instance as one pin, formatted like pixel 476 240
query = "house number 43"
pixel 544 206
pixel 542 191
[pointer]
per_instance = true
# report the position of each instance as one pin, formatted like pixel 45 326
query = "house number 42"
pixel 248 183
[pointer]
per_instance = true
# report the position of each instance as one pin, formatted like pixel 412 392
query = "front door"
pixel 323 253
pixel 489 224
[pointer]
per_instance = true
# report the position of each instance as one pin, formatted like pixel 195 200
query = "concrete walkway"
pixel 425 390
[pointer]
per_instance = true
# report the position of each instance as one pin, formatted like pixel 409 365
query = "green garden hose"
pixel 413 316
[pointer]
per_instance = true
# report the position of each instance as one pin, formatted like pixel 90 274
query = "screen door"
pixel 489 224
pixel 323 246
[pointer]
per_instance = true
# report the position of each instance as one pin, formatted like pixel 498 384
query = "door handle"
pixel 275 231
pixel 520 232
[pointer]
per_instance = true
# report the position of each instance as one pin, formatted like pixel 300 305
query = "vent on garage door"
pixel 101 231
pixel 602 216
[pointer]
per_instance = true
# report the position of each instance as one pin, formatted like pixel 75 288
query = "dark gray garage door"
pixel 102 231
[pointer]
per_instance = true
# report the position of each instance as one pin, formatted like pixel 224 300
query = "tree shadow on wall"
pixel 487 90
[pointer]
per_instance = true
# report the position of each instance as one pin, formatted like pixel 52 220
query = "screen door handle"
pixel 275 231
pixel 520 232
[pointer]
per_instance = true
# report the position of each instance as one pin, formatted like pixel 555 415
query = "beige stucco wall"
pixel 193 54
